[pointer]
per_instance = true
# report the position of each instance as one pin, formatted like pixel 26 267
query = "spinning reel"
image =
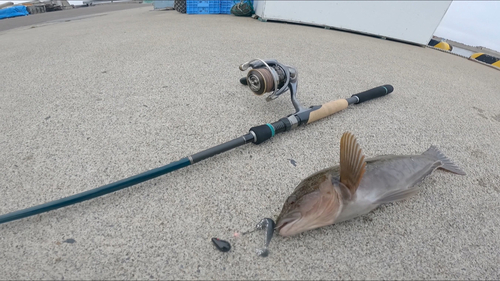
pixel 270 76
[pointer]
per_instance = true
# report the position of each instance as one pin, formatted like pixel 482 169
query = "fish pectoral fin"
pixel 352 162
pixel 397 195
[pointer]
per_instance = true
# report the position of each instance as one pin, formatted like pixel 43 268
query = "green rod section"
pixel 124 183
pixel 105 189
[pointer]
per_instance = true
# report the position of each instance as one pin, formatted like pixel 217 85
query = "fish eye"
pixel 291 199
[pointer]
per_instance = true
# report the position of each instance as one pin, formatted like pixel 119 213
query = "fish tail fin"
pixel 447 164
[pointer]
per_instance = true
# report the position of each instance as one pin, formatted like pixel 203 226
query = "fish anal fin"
pixel 397 195
pixel 352 162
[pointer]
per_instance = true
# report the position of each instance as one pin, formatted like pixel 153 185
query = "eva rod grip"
pixel 374 93
pixel 327 109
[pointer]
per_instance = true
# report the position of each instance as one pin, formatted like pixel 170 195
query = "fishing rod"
pixel 266 76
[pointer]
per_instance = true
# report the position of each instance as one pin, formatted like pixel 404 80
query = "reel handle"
pixel 335 106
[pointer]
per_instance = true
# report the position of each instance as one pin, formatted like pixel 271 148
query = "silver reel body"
pixel 270 76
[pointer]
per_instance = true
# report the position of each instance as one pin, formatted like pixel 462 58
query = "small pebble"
pixel 221 245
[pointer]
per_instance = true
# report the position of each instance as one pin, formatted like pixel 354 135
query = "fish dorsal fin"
pixel 352 162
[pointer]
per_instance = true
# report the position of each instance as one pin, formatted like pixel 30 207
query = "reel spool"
pixel 261 81
pixel 266 80
pixel 269 76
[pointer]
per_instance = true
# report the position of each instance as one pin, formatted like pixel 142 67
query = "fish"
pixel 357 186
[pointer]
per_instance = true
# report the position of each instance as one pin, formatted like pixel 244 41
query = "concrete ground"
pixel 79 12
pixel 88 102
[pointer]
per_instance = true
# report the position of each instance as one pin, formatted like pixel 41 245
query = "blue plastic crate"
pixel 226 5
pixel 203 7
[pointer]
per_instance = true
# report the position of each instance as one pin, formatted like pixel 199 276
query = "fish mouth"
pixel 288 221
pixel 281 225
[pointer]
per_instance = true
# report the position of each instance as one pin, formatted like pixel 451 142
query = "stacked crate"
pixel 203 7
pixel 209 6
pixel 226 5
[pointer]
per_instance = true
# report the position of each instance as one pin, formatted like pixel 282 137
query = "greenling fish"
pixel 356 186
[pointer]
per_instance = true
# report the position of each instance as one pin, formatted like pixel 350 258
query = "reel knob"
pixel 260 81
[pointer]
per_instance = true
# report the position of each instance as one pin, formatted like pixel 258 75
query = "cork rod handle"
pixel 327 109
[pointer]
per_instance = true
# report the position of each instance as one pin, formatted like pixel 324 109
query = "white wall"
pixel 412 21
